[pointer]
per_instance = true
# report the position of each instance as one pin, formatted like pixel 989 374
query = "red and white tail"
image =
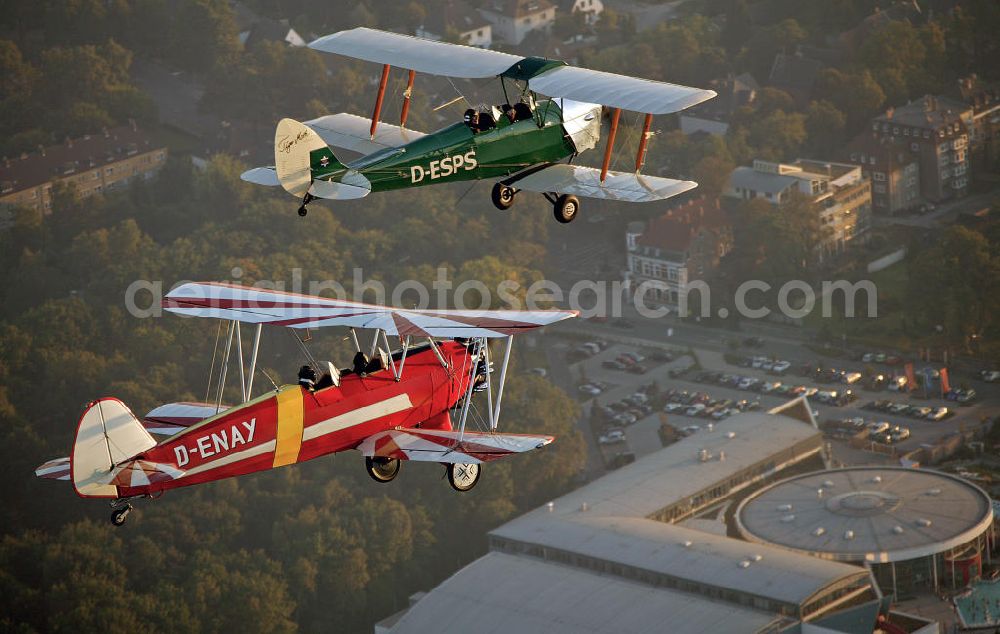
pixel 109 435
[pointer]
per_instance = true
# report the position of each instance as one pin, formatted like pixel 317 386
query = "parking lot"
pixel 724 389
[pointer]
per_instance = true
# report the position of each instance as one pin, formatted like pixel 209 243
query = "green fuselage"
pixel 456 154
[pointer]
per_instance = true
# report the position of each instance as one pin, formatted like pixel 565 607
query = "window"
pixel 879 176
pixel 906 132
pixel 109 170
pixel 914 146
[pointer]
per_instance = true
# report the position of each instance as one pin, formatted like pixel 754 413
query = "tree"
pixel 858 96
pixel 824 127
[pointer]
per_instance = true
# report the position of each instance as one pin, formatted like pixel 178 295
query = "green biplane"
pixel 527 146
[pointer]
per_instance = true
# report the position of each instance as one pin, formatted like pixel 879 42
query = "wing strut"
pixel 495 418
pixel 640 156
pixel 472 378
pixel 611 141
pixel 406 99
pixel 378 100
pixel 253 361
pixel 225 365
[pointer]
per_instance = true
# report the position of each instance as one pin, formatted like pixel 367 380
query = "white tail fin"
pixel 294 144
pixel 108 435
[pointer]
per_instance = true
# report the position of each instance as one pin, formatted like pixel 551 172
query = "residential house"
pixel 841 194
pixel 512 20
pixel 683 245
pixel 455 20
pixel 713 116
pixel 268 30
pixel 590 9
pixel 984 125
pixel 891 167
pixel 795 74
pixel 936 131
pixel 95 163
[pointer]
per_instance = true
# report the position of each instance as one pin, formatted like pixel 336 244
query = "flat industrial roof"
pixel 676 472
pixel 685 553
pixel 509 593
pixel 875 514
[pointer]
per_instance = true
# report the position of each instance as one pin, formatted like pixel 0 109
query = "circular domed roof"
pixel 876 514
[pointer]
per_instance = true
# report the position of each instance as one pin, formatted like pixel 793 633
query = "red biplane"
pixel 374 406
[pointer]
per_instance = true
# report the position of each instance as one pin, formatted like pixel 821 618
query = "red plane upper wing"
pixel 277 308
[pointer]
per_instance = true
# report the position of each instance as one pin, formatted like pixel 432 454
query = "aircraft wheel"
pixel 566 208
pixel 463 477
pixel 303 211
pixel 503 196
pixel 118 516
pixel 382 469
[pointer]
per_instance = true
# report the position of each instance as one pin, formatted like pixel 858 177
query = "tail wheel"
pixel 118 516
pixel 382 469
pixel 463 476
pixel 503 196
pixel 566 208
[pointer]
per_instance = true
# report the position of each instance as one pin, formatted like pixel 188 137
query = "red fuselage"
pixel 294 425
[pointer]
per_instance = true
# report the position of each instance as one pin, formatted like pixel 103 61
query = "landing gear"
pixel 120 514
pixel 463 477
pixel 308 198
pixel 503 196
pixel 382 469
pixel 566 207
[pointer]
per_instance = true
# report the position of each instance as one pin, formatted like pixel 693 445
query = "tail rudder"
pixel 299 153
pixel 108 436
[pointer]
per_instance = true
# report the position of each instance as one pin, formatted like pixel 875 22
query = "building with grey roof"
pixel 841 193
pixel 609 557
pixel 915 527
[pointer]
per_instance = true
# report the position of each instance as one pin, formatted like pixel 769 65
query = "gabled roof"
pixel 733 93
pixel 455 15
pixel 674 230
pixel 794 72
pixel 517 8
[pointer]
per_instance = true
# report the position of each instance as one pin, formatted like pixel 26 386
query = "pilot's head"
pixel 471 116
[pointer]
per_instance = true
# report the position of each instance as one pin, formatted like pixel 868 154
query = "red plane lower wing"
pixel 432 445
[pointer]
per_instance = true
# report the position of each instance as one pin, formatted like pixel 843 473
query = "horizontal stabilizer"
pixel 109 435
pixel 57 469
pixel 266 176
pixel 435 445
pixel 167 420
pixel 351 132
pixel 586 181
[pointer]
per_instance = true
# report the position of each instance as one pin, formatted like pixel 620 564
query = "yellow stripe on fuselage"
pixel 288 439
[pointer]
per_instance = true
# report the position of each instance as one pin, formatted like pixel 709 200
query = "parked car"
pixel 625 418
pixel 747 383
pixel 850 378
pixel 612 437
pixel 635 356
pixel 613 365
pixel 661 355
pixel 877 428
pixel 695 409
pixel 939 413
pixel 781 367
pixel 590 389
pixel 899 408
pixel 990 376
pixel 898 434
pixel 637 369
pixel 670 408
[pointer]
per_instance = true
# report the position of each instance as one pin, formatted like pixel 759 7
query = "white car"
pixel 695 409
pixel 781 367
pixel 770 387
pixel 638 398
pixel 757 362
pixel 747 382
pixel 990 376
pixel 877 429
pixel 868 357
pixel 592 390
pixel 899 433
pixel 851 378
pixel 673 407
pixel 921 412
pixel 767 365
pixel 939 413
pixel 612 437
pixel 690 429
